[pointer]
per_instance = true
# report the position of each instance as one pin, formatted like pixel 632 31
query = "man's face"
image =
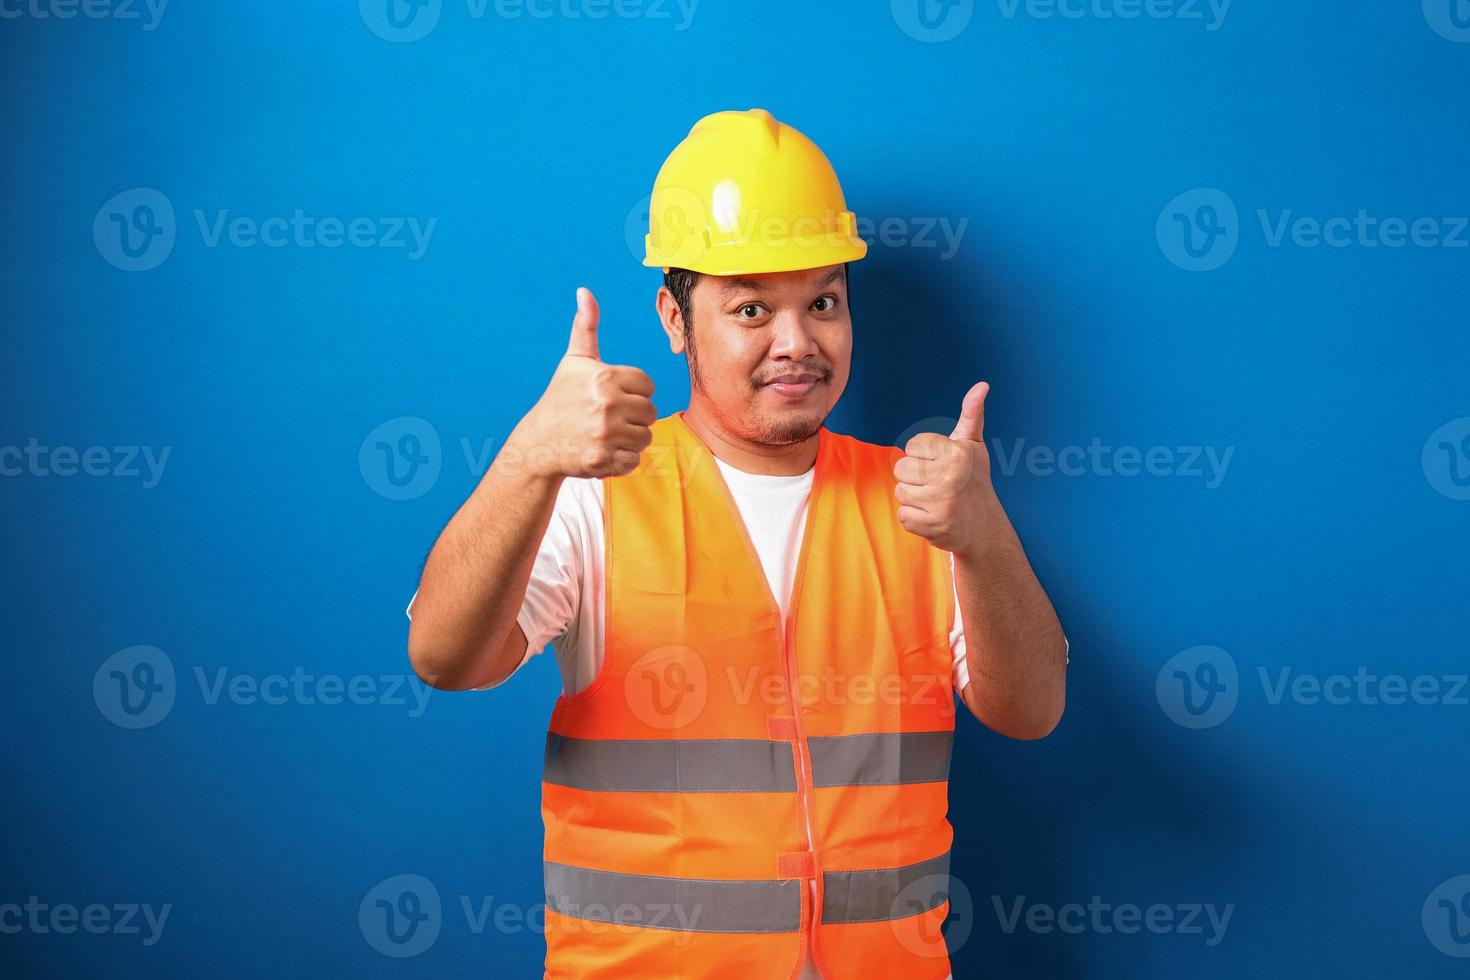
pixel 771 352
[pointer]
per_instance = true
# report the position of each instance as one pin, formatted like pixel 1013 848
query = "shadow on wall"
pixel 915 337
pixel 1028 816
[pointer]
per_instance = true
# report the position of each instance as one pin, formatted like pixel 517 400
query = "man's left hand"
pixel 944 490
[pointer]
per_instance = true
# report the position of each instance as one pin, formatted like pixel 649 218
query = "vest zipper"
pixel 803 770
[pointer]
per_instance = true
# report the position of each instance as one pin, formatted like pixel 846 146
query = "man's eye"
pixel 824 303
pixel 750 311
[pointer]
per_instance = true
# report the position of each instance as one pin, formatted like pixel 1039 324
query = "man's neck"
pixel 747 456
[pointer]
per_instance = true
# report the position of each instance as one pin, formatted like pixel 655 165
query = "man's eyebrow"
pixel 832 277
pixel 731 285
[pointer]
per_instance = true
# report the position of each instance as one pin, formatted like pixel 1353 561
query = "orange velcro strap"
pixel 797 864
pixel 781 729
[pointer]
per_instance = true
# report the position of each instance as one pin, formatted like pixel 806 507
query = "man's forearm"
pixel 475 578
pixel 1015 649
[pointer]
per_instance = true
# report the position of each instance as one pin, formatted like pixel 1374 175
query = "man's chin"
pixel 789 427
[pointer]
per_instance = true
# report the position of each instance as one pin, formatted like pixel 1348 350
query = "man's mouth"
pixel 795 385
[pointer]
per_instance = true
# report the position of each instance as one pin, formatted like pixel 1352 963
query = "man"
pixel 760 623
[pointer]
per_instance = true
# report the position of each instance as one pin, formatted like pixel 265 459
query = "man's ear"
pixel 671 318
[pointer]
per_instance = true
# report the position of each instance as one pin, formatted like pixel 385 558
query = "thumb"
pixel 583 342
pixel 971 425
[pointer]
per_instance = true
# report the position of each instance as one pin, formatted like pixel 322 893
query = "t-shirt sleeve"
pixel 553 592
pixel 957 636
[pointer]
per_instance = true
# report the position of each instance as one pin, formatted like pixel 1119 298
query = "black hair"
pixel 681 283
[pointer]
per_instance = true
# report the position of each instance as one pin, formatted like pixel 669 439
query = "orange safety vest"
pixel 718 767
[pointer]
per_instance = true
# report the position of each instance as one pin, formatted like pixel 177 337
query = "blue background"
pixel 266 547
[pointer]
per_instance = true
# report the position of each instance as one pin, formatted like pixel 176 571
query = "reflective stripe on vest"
pixel 744 765
pixel 888 759
pixel 710 905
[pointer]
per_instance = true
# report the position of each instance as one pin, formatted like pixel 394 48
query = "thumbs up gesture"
pixel 593 419
pixel 943 490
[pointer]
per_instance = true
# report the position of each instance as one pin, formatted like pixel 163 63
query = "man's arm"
pixel 1014 645
pixel 592 421
pixel 1015 651
pixel 463 633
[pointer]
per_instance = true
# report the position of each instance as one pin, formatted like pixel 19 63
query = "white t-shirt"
pixel 569 565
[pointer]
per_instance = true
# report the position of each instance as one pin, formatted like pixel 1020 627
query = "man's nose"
pixel 792 337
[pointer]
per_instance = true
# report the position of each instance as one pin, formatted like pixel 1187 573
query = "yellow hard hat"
pixel 745 193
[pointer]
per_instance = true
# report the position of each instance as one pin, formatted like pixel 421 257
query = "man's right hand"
pixel 593 419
